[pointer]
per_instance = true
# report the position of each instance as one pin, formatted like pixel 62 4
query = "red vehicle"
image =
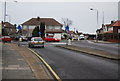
pixel 51 39
pixel 6 39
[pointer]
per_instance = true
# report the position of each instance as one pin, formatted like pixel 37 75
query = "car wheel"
pixel 42 46
pixel 29 46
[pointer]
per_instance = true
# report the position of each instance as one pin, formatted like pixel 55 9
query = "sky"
pixel 83 19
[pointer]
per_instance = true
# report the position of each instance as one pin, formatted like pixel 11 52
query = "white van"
pixel 82 37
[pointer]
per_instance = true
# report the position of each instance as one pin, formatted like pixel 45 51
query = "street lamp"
pixel 5 8
pixel 103 26
pixel 97 22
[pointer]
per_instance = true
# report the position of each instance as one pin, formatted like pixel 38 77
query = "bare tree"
pixel 66 22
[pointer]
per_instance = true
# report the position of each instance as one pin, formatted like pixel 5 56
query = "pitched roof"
pixel 109 31
pixel 107 25
pixel 48 21
pixel 116 23
pixel 99 29
pixel 8 25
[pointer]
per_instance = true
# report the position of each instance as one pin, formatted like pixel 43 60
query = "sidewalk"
pixel 91 51
pixel 21 63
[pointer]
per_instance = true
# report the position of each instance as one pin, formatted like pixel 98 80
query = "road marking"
pixel 53 72
pixel 56 43
pixel 89 41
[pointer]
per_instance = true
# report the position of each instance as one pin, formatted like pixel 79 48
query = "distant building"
pixel 90 36
pixel 110 32
pixel 11 29
pixel 52 27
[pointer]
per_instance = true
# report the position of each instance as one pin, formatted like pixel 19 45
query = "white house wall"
pixel 110 28
pixel 57 35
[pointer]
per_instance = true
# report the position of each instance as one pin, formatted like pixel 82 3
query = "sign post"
pixel 68 41
pixel 19 39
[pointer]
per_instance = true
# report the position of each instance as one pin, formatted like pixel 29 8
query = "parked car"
pixel 82 38
pixel 6 39
pixel 51 39
pixel 36 42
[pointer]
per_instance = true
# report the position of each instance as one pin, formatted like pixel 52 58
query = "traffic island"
pixel 91 51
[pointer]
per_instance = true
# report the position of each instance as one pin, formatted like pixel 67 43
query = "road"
pixel 75 65
pixel 111 48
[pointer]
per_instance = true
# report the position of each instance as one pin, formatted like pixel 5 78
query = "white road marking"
pixel 56 43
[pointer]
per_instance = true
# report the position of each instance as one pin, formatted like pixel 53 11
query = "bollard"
pixel 78 39
pixel 20 40
pixel 69 42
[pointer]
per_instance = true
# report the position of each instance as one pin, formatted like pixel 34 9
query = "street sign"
pixel 19 27
pixel 39 32
pixel 67 28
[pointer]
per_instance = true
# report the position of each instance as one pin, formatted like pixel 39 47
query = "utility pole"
pixel 97 24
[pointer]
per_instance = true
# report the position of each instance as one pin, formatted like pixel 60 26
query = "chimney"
pixel 112 21
pixel 103 25
pixel 38 18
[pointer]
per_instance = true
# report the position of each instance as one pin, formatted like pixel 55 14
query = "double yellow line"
pixel 48 66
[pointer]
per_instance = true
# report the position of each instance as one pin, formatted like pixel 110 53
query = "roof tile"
pixel 48 21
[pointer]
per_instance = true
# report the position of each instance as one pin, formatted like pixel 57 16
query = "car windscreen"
pixel 37 39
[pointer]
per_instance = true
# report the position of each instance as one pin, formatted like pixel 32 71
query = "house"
pixel 110 32
pixel 11 29
pixel 100 33
pixel 52 27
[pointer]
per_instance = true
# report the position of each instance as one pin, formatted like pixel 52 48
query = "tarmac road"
pixel 75 65
pixel 110 47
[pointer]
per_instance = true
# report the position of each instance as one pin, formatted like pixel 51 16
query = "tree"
pixel 67 22
pixel 4 32
pixel 42 29
pixel 35 32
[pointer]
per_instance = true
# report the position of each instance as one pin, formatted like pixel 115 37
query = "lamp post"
pixel 103 26
pixel 5 9
pixel 97 23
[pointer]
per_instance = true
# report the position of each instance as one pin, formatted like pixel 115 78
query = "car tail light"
pixel 42 42
pixel 33 42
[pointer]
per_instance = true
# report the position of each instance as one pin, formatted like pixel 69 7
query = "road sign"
pixel 39 32
pixel 19 27
pixel 67 28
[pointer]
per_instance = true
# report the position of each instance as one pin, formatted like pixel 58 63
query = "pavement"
pixel 91 51
pixel 20 63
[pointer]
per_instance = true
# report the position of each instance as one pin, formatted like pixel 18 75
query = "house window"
pixel 50 27
pixel 110 28
pixel 31 27
pixel 118 30
pixel 24 27
pixel 57 27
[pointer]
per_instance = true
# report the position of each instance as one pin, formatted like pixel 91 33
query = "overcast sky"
pixel 78 11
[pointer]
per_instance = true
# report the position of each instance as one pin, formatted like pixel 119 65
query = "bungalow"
pixel 52 27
